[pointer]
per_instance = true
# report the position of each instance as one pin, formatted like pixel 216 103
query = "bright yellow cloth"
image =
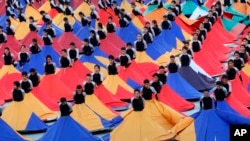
pixel 21 31
pixel 45 7
pixel 142 57
pixel 90 66
pixel 30 11
pixel 97 106
pixel 137 23
pixel 86 117
pixel 246 69
pixel 7 69
pixel 71 21
pixel 14 22
pixel 84 8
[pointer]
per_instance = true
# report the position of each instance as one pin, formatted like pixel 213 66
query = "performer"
pixel 34 47
pixel 79 95
pixel 210 16
pixel 125 14
pixel 140 44
pixel 21 15
pixel 156 28
pixel 123 22
pixel 150 28
pixel 9 28
pixel 84 20
pixel 199 35
pixel 172 65
pixel 68 10
pixel 247 45
pixel 116 8
pixel 124 58
pixel 8 57
pixel 148 90
pixel 206 102
pixel 166 24
pixel 135 10
pixel 93 13
pixel 67 26
pixel 45 17
pixel 130 51
pixel 9 9
pixel 195 43
pixel 51 31
pixel 156 83
pixel 110 26
pixel 93 39
pixel 65 107
pixel 219 91
pixel 147 36
pixel 215 13
pixel 97 76
pixel 32 24
pixel 100 31
pixel 87 49
pixel 158 3
pixel 64 59
pixel 112 66
pixel 238 62
pixel 89 85
pixel 174 8
pixel 171 15
pixel 189 51
pixel 226 84
pixel 73 52
pixel 203 31
pixel 17 92
pixel 137 101
pixel 162 75
pixel 26 83
pixel 34 77
pixel 243 53
pixel 207 24
pixel 232 70
pixel 49 66
pixel 23 56
pixel 47 39
pixel 3 36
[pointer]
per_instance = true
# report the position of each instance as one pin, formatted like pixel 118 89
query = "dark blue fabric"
pixel 77 25
pixel 182 87
pixel 133 84
pixel 7 133
pixel 3 18
pixel 222 105
pixel 168 37
pixel 248 87
pixel 92 59
pixel 35 124
pixel 67 129
pixel 93 23
pixel 129 33
pixel 83 32
pixel 48 50
pixel 58 30
pixel 106 137
pixel 177 31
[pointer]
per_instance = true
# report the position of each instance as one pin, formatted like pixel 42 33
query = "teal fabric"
pixel 188 7
pixel 235 12
pixel 204 8
pixel 150 9
pixel 167 5
pixel 228 24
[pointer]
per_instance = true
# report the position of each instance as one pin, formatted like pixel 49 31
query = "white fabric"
pixel 198 12
pixel 197 68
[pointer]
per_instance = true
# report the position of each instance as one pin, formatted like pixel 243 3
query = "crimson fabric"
pixel 123 93
pixel 76 3
pixel 44 98
pixel 12 43
pixel 27 40
pixel 227 15
pixel 2 7
pixel 112 44
pixel 37 4
pixel 54 88
pixel 148 67
pixel 2 102
pixel 238 106
pixel 245 79
pixel 172 99
pixel 56 46
pixel 70 78
pixel 184 26
pixel 66 38
pixel 105 96
pixel 7 81
pixel 222 34
pixel 52 13
pixel 4 95
pixel 104 14
pixel 80 69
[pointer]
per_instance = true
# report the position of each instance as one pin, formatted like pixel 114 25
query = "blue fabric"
pixel 7 133
pixel 133 84
pixel 35 124
pixel 129 33
pixel 182 87
pixel 106 137
pixel 92 59
pixel 169 37
pixel 77 25
pixel 177 31
pixel 67 129
pixel 59 31
pixel 83 32
pixel 36 61
pixel 48 50
pixel 210 123
pixel 93 23
pixel 2 21
pixel 248 87
pixel 222 105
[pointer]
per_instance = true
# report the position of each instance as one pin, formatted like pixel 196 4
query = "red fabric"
pixel 149 68
pixel 108 98
pixel 7 85
pixel 227 15
pixel 56 46
pixel 52 13
pixel 133 72
pixel 239 92
pixel 2 7
pixel 104 14
pixel 76 3
pixel 209 3
pixel 142 20
pixel 222 34
pixel 2 46
pixel 44 98
pixel 123 93
pixel 112 44
pixel 245 79
pixel 37 5
pixel 2 102
pixel 238 106
pixel 172 99
pixel 70 78
pixel 32 35
pixel 12 43
pixel 66 38
pixel 80 69
pixel 54 88
pixel 184 26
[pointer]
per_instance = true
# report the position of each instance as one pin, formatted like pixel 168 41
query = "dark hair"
pixel 88 74
pixel 86 40
pixel 63 99
pixel 184 48
pixel 32 70
pixel 7 48
pixel 129 44
pixel 236 52
pixel 48 56
pixel 79 87
pixel 161 67
pixel 111 57
pixel 24 73
pixel 42 12
pixel 224 77
pixel 34 40
pixel 100 25
pixel 155 74
pixel 123 48
pixel 64 50
pixel 218 83
pixel 65 19
pixel 97 66
pixel 16 83
pixel 110 17
pixel 81 13
pixel 136 90
pixel 230 61
pixel 72 43
pixel 146 81
pixel 172 56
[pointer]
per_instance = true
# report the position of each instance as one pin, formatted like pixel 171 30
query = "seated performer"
pixel 79 95
pixel 65 107
pixel 89 85
pixel 219 91
pixel 137 102
pixel 112 66
pixel 206 102
pixel 34 77
pixel 17 92
pixel 49 66
pixel 147 90
pixel 23 56
pixel 156 83
pixel 26 83
pixel 124 58
pixel 97 76
pixel 130 51
pixel 73 52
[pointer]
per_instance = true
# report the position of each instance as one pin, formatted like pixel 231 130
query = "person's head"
pixel 31 19
pixel 206 93
pixel 65 19
pixel 154 23
pixel 120 15
pixel 88 77
pixel 184 50
pixel 110 19
pixel 139 37
pixel 81 14
pixel 162 70
pixel 19 10
pixel 123 50
pixel 165 18
pixel 64 52
pixel 97 68
pixel 210 13
pixel 42 13
pixel 236 55
pixel 145 30
pixel 48 24
pixel 170 11
pixel 79 89
pixel 8 22
pixel 111 59
pixel 92 33
pixel 23 48
pixel 137 93
pixel 99 26
pixel 34 41
pixel 206 20
pixel 1 29
pixel 72 45
pixel 45 32
pixel 230 63
pixel 224 79
pixel 16 84
pixel 201 25
pixel 48 59
pixel 114 4
pixel 186 44
pixel 218 85
pixel 242 48
pixel 195 36
pixel 173 2
pixel 122 10
pixel 63 100
pixel 244 41
pixel 25 75
pixel 147 24
pixel 172 58
pixel 248 34
pixel 213 8
pixel 133 5
pixel 32 71
pixel 146 83
pixel 155 77
pixel 129 45
pixel 85 41
pixel 6 50
pixel 92 8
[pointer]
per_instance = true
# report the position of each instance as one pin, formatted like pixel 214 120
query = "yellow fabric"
pixel 14 22
pixel 126 6
pixel 85 8
pixel 186 35
pixel 30 11
pixel 45 7
pixel 39 108
pixel 103 60
pixel 156 15
pixel 246 69
pixel 71 21
pixel 164 59
pixel 179 44
pixel 86 117
pixel 17 115
pixel 175 52
pixel 113 81
pixel 97 106
pixel 188 134
pixel 7 69
pixel 142 57
pixel 90 66
pixel 58 19
pixel 21 31
pixel 137 126
pixel 137 23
